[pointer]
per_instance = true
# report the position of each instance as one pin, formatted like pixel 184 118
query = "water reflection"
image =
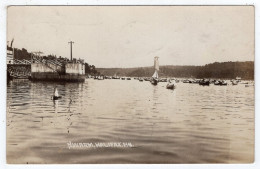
pixel 191 124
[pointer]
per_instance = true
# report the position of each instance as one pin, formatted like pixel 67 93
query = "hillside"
pixel 226 70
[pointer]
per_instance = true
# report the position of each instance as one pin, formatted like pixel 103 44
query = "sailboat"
pixel 55 94
pixel 155 77
pixel 115 77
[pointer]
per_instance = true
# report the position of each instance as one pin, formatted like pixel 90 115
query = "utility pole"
pixel 71 49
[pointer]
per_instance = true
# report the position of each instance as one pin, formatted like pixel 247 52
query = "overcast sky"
pixel 130 36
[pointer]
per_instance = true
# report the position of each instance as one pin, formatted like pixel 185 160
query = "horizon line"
pixel 167 65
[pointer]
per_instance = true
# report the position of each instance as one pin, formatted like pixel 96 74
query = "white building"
pixel 10 56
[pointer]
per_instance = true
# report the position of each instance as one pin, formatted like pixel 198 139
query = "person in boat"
pixel 170 84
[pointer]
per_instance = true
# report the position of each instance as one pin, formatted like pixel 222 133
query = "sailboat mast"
pixel 156 63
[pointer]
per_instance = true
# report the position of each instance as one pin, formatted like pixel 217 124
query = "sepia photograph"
pixel 130 84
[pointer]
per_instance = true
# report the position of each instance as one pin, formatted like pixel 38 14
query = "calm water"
pixel 191 124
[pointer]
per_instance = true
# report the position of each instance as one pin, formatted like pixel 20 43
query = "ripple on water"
pixel 191 124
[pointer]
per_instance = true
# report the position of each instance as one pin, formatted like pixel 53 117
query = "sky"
pixel 131 36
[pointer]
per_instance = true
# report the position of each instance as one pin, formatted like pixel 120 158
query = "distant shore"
pixel 222 70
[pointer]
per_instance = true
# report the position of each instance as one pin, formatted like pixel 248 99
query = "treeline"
pixel 21 54
pixel 225 70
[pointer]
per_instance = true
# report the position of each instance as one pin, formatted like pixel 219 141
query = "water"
pixel 191 124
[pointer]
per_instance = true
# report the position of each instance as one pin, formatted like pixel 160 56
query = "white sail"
pixel 56 94
pixel 155 75
pixel 156 67
pixel 115 76
pixel 156 63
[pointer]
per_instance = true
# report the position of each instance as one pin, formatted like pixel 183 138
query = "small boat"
pixel 204 82
pixel 155 77
pixel 100 77
pixel 122 78
pixel 115 77
pixel 128 78
pixel 196 81
pixel 244 82
pixel 56 94
pixel 217 82
pixel 186 81
pixel 107 77
pixel 154 81
pixel 170 85
pixel 163 80
pixel 190 80
pixel 234 82
pixel 141 79
pixel 220 83
pixel 223 83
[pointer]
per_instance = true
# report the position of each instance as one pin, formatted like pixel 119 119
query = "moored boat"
pixel 217 82
pixel 220 83
pixel 141 79
pixel 115 77
pixel 186 81
pixel 101 78
pixel 204 82
pixel 194 81
pixel 170 85
pixel 234 82
pixel 163 80
pixel 223 83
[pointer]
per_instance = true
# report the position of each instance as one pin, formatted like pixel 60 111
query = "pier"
pixel 40 69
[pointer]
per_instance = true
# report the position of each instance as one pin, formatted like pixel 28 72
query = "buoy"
pixel 56 94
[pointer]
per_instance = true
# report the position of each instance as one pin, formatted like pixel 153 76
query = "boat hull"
pixel 154 82
pixel 56 97
pixel 204 83
pixel 170 86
